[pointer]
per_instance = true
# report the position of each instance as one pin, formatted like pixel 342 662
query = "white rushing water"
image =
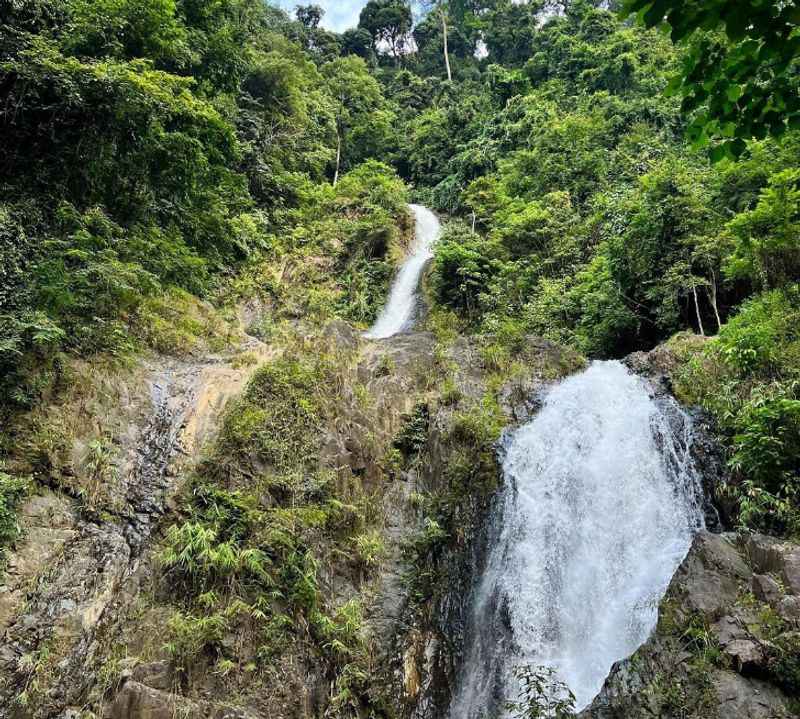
pixel 600 504
pixel 399 313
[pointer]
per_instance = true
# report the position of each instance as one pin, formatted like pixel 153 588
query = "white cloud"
pixel 339 14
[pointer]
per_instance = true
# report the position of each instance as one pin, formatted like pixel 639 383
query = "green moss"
pixel 178 323
pixel 276 423
pixel 479 425
pixel 444 324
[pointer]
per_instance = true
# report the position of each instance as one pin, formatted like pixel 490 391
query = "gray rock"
pixel 743 698
pixel 791 570
pixel 341 335
pixel 766 589
pixel 154 674
pixel 728 629
pixel 747 656
pixel 764 553
pixel 710 582
pixel 788 609
pixel 709 579
pixel 137 701
pixel 770 555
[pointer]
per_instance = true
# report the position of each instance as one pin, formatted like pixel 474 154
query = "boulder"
pixel 157 675
pixel 747 656
pixel 790 570
pixel 766 589
pixel 728 629
pixel 765 554
pixel 708 581
pixel 773 556
pixel 788 609
pixel 747 698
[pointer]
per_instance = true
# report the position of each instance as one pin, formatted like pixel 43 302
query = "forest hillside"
pixel 217 496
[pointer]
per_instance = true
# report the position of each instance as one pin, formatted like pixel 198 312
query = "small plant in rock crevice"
pixel 413 437
pixel 542 695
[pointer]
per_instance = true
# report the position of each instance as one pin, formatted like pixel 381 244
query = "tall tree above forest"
pixel 388 22
pixel 310 16
pixel 358 95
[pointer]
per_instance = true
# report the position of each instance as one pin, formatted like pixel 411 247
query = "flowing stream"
pixel 399 312
pixel 600 504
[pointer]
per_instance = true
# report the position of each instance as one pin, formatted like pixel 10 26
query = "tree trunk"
pixel 697 310
pixel 338 157
pixel 713 297
pixel 446 53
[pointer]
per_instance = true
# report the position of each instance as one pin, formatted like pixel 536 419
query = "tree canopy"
pixel 388 22
pixel 740 75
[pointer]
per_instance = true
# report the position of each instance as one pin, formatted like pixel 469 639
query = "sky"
pixel 339 14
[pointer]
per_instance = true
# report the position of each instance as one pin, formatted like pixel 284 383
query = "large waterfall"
pixel 399 313
pixel 599 507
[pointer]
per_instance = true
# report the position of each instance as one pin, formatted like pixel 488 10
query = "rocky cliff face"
pixel 87 609
pixel 458 473
pixel 727 644
pixel 80 566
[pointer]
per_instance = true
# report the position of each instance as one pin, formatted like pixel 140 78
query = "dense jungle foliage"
pixel 612 176
pixel 156 147
pixel 606 186
pixel 608 189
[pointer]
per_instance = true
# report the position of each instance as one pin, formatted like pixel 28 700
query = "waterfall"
pixel 398 314
pixel 599 506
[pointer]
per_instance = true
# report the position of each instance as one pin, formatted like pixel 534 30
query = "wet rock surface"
pixel 433 633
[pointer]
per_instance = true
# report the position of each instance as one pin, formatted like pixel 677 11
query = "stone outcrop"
pixel 135 700
pixel 433 633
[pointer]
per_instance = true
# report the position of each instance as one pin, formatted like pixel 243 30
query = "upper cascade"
pixel 399 313
pixel 600 505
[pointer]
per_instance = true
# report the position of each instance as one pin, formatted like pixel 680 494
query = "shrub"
pixel 13 491
pixel 370 548
pixel 785 664
pixel 542 695
pixel 413 436
pixel 277 419
pixel 748 378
